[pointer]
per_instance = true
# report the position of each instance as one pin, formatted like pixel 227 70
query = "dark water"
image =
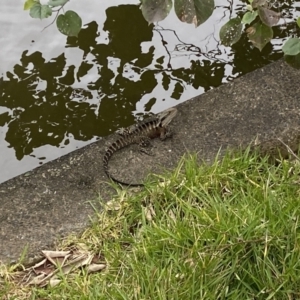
pixel 58 93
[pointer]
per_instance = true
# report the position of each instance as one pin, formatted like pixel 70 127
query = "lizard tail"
pixel 106 158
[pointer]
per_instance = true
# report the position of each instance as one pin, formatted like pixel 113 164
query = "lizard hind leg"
pixel 144 144
pixel 126 131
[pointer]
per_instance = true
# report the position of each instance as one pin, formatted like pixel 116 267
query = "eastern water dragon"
pixel 141 134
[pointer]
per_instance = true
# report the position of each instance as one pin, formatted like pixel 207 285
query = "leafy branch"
pixel 69 23
pixel 257 21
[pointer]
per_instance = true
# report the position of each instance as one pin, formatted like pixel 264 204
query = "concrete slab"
pixel 54 199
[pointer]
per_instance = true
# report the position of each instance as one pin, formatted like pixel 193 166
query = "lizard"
pixel 140 134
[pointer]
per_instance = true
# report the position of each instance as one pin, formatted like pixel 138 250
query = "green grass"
pixel 225 231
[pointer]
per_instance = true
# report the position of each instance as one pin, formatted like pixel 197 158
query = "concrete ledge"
pixel 54 199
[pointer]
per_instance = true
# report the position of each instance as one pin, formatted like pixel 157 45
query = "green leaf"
pixel 260 34
pixel 249 7
pixel 204 9
pixel 194 11
pixel 249 17
pixel 293 60
pixel 39 11
pixel 298 22
pixel 29 3
pixel 54 3
pixel 231 32
pixel 291 46
pixel 155 10
pixel 268 16
pixel 69 23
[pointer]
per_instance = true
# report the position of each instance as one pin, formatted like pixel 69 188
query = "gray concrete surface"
pixel 54 199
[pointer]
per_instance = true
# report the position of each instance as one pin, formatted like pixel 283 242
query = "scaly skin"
pixel 141 134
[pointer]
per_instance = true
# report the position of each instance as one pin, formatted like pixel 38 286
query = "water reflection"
pixel 127 68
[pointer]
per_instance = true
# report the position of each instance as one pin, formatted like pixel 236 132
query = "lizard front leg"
pixel 165 133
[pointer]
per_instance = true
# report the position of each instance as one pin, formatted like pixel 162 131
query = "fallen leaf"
pixel 95 268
